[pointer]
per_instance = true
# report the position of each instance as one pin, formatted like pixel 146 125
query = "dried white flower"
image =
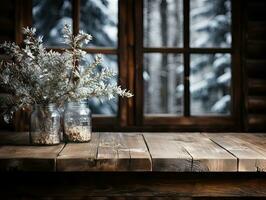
pixel 36 75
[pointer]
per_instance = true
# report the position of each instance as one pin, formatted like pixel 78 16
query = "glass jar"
pixel 45 125
pixel 77 122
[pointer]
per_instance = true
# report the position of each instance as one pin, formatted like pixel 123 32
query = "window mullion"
pixel 139 92
pixel 76 16
pixel 186 59
pixel 122 61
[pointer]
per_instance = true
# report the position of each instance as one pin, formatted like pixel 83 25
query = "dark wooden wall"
pixel 254 64
pixel 7 32
pixel 7 20
pixel 253 55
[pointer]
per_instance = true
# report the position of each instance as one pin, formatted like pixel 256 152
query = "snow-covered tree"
pixel 210 73
pixel 162 72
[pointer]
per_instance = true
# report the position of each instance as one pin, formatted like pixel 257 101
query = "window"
pixel 188 58
pixel 179 57
pixel 175 58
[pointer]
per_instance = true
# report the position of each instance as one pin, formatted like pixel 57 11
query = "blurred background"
pixel 193 65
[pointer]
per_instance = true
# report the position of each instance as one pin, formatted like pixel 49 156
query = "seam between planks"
pixel 58 155
pixel 129 163
pixel 192 159
pixel 97 151
pixel 237 159
pixel 146 143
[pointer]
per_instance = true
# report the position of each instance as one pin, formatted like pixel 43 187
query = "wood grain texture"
pixel 207 156
pixel 257 86
pixel 256 104
pixel 140 159
pixel 254 65
pixel 123 152
pixel 79 156
pixel 179 152
pixel 167 154
pixel 29 158
pixel 106 152
pixel 257 141
pixel 249 158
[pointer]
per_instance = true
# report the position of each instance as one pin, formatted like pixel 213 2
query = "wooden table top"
pixel 174 152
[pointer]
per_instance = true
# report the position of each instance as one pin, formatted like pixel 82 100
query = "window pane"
pixel 163 23
pixel 210 23
pixel 163 83
pixel 210 82
pixel 104 106
pixel 100 18
pixel 49 17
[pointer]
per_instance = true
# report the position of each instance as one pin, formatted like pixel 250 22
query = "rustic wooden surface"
pixel 207 156
pixel 167 154
pixel 249 157
pixel 18 155
pixel 109 151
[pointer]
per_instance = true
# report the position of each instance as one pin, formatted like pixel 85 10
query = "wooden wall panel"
pixel 7 33
pixel 7 20
pixel 14 14
pixel 254 58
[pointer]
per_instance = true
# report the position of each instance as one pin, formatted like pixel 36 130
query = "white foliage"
pixel 36 75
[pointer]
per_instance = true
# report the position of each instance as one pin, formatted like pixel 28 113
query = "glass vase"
pixel 77 122
pixel 45 125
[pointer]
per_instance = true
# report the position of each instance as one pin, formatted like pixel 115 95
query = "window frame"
pixel 192 123
pixel 130 50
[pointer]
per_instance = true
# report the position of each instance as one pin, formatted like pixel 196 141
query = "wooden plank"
pixel 113 153
pixel 29 158
pixel 128 152
pixel 256 122
pixel 256 104
pixel 140 159
pixel 249 159
pixel 256 141
pixel 79 156
pixel 257 86
pixel 207 156
pixel 107 152
pixel 123 152
pixel 166 154
pixel 14 138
